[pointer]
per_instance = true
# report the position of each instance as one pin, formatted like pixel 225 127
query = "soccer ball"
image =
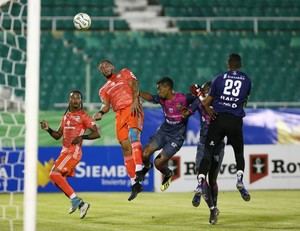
pixel 82 21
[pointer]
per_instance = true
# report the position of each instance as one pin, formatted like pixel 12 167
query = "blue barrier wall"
pixel 101 169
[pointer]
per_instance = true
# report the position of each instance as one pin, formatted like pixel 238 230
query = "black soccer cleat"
pixel 243 191
pixel 213 218
pixel 135 189
pixel 244 194
pixel 140 175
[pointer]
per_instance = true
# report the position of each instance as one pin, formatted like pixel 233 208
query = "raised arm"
pixel 55 134
pixel 136 106
pixel 105 105
pixel 207 106
pixel 146 96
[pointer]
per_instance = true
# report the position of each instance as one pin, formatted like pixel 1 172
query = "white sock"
pixel 239 173
pixel 73 195
pixel 201 177
pixel 138 167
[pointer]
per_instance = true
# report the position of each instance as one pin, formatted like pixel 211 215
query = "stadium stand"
pixel 60 8
pixel 189 55
pixel 186 57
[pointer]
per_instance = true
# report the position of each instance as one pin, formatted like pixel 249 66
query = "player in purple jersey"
pixel 171 134
pixel 225 105
pixel 212 189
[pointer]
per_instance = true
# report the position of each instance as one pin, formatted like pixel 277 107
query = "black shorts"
pixel 226 125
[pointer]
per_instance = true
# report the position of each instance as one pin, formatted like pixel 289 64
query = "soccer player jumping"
pixel 228 94
pixel 212 196
pixel 122 93
pixel 72 128
pixel 171 134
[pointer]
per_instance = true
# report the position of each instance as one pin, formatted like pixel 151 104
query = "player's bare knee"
pixel 147 152
pixel 126 148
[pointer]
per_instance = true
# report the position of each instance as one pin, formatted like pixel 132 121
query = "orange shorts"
pixel 125 121
pixel 67 161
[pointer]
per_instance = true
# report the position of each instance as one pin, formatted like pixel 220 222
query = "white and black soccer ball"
pixel 82 21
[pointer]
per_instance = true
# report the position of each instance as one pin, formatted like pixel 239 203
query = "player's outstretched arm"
pixel 104 109
pixel 146 96
pixel 55 134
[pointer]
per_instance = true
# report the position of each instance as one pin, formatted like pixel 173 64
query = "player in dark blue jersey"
pixel 171 134
pixel 212 189
pixel 211 201
pixel 225 105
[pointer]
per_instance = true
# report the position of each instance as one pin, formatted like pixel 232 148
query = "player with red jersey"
pixel 72 128
pixel 121 92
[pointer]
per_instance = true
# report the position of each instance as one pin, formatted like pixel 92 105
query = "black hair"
pixel 167 81
pixel 235 61
pixel 76 92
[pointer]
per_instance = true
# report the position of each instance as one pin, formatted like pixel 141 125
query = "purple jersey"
pixel 204 118
pixel 172 111
pixel 230 91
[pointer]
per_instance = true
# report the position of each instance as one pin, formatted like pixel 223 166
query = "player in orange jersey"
pixel 72 128
pixel 122 93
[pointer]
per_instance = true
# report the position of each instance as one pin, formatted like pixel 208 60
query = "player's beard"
pixel 75 107
pixel 108 76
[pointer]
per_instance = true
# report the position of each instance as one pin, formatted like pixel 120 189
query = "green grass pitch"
pixel 267 210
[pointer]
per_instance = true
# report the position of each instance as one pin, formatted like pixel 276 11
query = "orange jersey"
pixel 117 90
pixel 74 124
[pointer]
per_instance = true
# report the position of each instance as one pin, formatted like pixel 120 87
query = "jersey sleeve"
pixel 155 99
pixel 103 95
pixel 195 105
pixel 190 98
pixel 128 74
pixel 213 88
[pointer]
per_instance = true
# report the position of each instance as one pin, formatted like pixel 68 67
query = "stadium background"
pixel 187 40
pixel 163 38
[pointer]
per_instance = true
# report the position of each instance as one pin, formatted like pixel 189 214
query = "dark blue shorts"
pixel 218 156
pixel 170 143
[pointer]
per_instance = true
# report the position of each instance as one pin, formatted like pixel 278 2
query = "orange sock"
pixel 137 152
pixel 130 166
pixel 61 183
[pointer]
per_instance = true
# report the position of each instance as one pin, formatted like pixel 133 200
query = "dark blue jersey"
pixel 230 91
pixel 204 119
